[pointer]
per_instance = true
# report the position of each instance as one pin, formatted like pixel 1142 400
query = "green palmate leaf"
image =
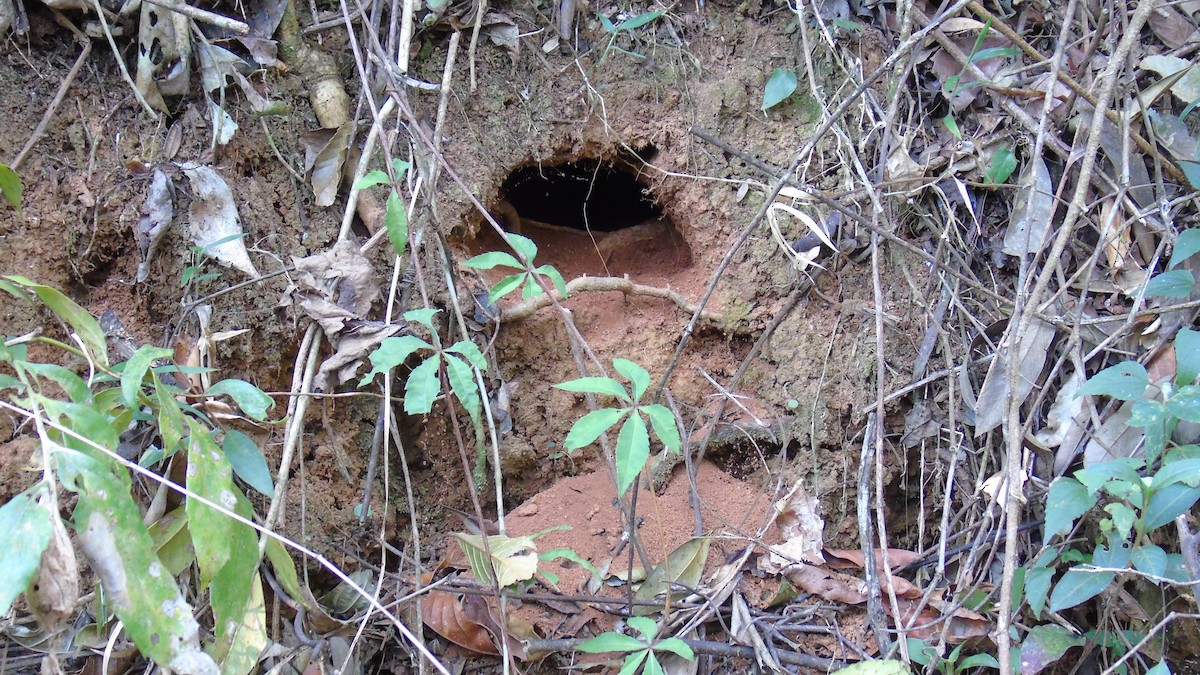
pixel 1001 166
pixel 636 374
pixel 486 261
pixel 633 449
pixel 462 383
pixel 135 371
pixel 611 642
pixel 1125 381
pixel 512 558
pixel 531 288
pixel 422 387
pixel 1077 586
pixel 74 386
pixel 136 585
pixel 677 647
pixel 1187 355
pixel 1186 246
pixel 505 286
pixel 1171 284
pixel 590 426
pixel 555 278
pixel 209 476
pixel 1185 403
pixel 595 385
pixel 395 218
pixel 1168 503
pixel 644 626
pixel 634 661
pixel 25 530
pixel 1150 558
pixel 664 425
pixel 524 246
pixel 371 179
pixel 252 400
pixel 1067 500
pixel 780 86
pixel 248 462
pixel 471 351
pixel 392 352
pixel 170 418
pixel 422 316
pixel 83 323
pixel 10 185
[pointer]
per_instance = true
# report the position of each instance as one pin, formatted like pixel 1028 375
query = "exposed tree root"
pixel 526 308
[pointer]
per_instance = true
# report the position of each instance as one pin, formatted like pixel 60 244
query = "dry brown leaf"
pixel 797 517
pixel 993 395
pixel 213 217
pixel 1171 26
pixel 325 151
pixel 54 591
pixel 443 612
pixel 853 558
pixel 157 212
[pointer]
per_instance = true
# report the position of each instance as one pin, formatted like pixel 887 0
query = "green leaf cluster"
pixel 639 651
pixel 633 440
pixel 523 278
pixel 395 215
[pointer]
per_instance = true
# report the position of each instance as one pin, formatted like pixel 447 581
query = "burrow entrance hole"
pixel 588 216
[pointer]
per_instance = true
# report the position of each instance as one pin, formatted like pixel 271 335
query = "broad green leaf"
pixel 595 385
pixel 589 427
pixel 644 626
pixel 247 461
pixel 1153 417
pixel 135 371
pixel 847 25
pixel 663 421
pixel 921 652
pixel 1168 503
pixel 523 246
pixel 74 386
pixel 1183 471
pixel 1192 171
pixel 371 179
pixel 209 476
pixel 1123 468
pixel 245 638
pixel 486 261
pixel 1171 284
pixel 463 384
pixel 392 352
pixel 422 387
pixel 1185 403
pixel 1037 587
pixel 1077 586
pixel 505 286
pixel 173 541
pixel 633 449
pixel 1067 500
pixel 471 351
pixel 1187 244
pixel 952 126
pixel 1150 558
pixel 677 647
pixel 395 218
pixel 422 316
pixel 252 400
pixel 170 418
pixel 1116 555
pixel 136 585
pixel 633 663
pixel 1122 516
pixel 780 86
pixel 236 596
pixel 982 660
pixel 639 20
pixel 1001 165
pixel 683 568
pixel 531 288
pixel 513 558
pixel 611 642
pixel 79 319
pixel 1125 381
pixel 285 572
pixel 10 186
pixel 1187 354
pixel 25 530
pixel 10 382
pixel 1044 645
pixel 636 374
pixel 555 277
pixel 86 421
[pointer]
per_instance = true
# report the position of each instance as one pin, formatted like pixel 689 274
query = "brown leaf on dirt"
pixel 853 558
pixel 157 212
pixel 54 591
pixel 325 150
pixel 683 568
pixel 481 611
pixel 1171 26
pixel 796 516
pixel 213 217
pixel 828 584
pixel 1035 348
pixel 444 613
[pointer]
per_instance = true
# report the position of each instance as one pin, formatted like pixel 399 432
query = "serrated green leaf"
pixel 677 647
pixel 111 534
pixel 25 531
pixel 1125 381
pixel 84 324
pixel 505 286
pixel 209 476
pixel 1150 558
pixel 1067 500
pixel 1171 284
pixel 1185 471
pixel 391 352
pixel 663 421
pixel 611 642
pixel 589 427
pixel 135 371
pixel 1001 165
pixel 486 261
pixel 512 558
pixel 10 185
pixel 780 85
pixel 1168 503
pixel 1078 586
pixel 471 351
pixel 395 218
pixel 422 316
pixel 463 384
pixel 247 461
pixel 555 278
pixel 523 246
pixel 595 385
pixel 422 387
pixel 371 179
pixel 633 449
pixel 1187 356
pixel 1187 244
pixel 252 400
pixel 636 374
